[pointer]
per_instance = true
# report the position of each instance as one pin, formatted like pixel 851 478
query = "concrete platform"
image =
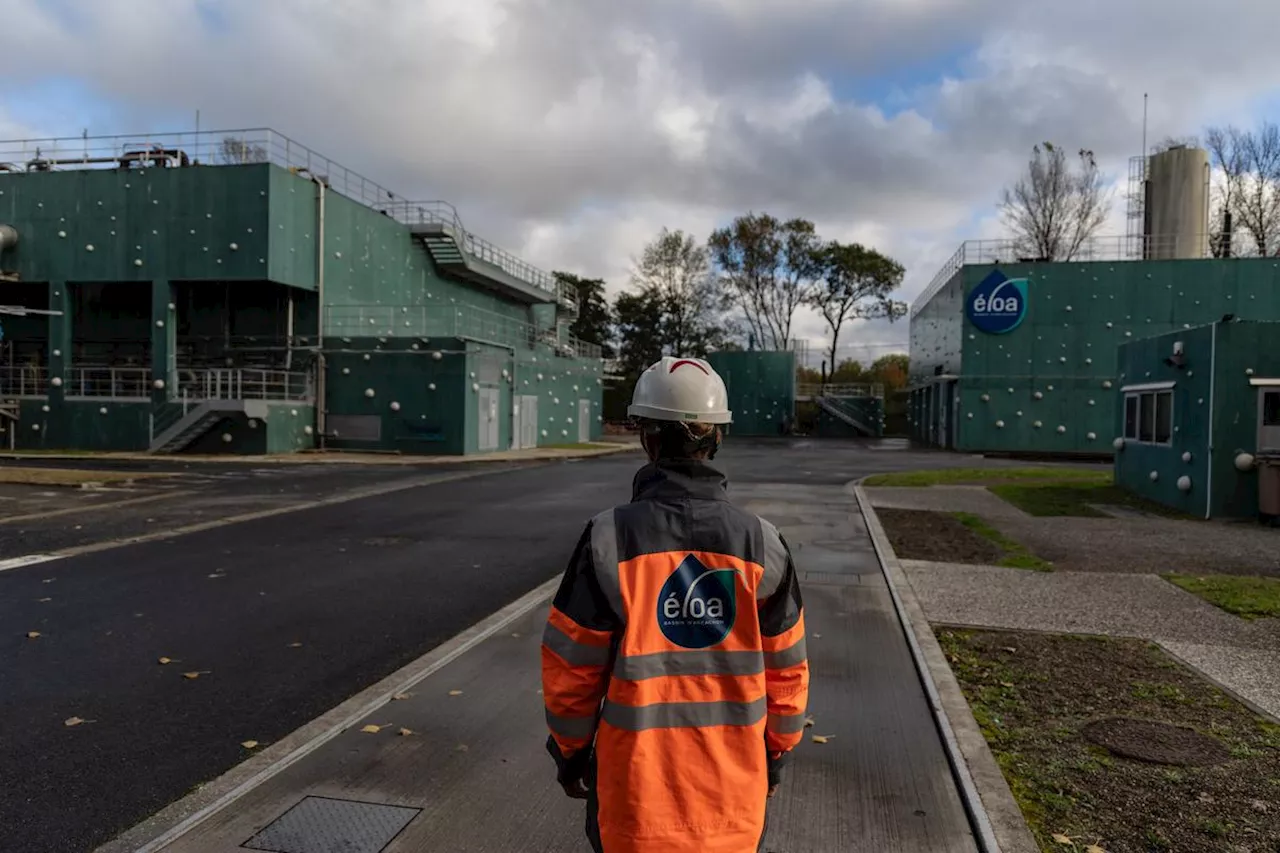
pixel 475 768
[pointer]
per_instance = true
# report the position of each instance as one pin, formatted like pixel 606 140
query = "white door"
pixel 584 420
pixel 488 419
pixel 529 420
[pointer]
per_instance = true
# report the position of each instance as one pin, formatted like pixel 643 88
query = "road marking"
pixel 318 732
pixel 90 507
pixel 251 516
pixel 28 560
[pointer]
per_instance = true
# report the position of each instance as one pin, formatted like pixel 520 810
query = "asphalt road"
pixel 364 586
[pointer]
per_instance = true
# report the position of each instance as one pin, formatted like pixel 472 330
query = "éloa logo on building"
pixel 998 304
pixel 697 606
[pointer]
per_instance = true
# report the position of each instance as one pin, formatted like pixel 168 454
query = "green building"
pixel 1198 419
pixel 237 292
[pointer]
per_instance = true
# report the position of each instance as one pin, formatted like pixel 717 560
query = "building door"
pixel 949 411
pixel 584 421
pixel 488 419
pixel 529 420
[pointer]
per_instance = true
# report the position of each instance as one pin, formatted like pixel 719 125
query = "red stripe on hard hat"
pixel 687 361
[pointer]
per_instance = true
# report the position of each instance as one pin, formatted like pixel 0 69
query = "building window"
pixel 1148 416
pixel 1271 409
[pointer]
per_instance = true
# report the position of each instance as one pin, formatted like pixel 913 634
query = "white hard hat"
pixel 681 389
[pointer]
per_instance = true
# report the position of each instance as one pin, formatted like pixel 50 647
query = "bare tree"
pixel 675 273
pixel 857 283
pixel 1246 186
pixel 235 151
pixel 770 268
pixel 1052 210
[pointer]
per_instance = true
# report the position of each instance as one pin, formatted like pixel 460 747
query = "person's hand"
pixel 576 789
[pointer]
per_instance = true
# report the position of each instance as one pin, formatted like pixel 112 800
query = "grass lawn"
pixel 1016 556
pixel 69 476
pixel 1247 597
pixel 987 476
pixel 1038 699
pixel 1075 499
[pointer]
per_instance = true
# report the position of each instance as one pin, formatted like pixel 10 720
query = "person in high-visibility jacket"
pixel 674 671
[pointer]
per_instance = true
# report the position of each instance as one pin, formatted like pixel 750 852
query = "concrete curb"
pixel 998 824
pixel 179 818
pixel 334 457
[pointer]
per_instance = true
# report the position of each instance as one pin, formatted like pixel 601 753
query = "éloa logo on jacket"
pixel 697 606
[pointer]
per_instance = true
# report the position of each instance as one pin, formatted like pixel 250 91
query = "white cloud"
pixel 573 130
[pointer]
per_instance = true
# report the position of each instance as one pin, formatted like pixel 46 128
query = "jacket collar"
pixel 679 478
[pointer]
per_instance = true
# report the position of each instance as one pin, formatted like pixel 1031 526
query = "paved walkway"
pixel 1244 656
pixel 474 775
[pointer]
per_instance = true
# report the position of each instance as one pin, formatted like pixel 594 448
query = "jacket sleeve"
pixel 577 652
pixel 786 661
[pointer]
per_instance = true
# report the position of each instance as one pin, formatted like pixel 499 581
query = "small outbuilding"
pixel 1198 426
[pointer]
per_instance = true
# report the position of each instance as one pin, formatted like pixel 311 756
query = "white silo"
pixel 1179 204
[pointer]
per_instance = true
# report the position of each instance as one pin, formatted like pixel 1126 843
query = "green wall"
pixel 83 425
pixel 1065 349
pixel 1213 387
pixel 197 222
pixel 761 387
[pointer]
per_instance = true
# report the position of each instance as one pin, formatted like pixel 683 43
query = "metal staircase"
pixel 832 406
pixel 444 249
pixel 171 435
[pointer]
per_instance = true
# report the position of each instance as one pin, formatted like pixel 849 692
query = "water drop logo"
pixel 998 304
pixel 697 605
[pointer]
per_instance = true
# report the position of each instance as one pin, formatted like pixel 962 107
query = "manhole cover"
pixel 387 540
pixel 324 825
pixel 1158 743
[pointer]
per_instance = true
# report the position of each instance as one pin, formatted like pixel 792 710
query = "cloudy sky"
pixel 571 131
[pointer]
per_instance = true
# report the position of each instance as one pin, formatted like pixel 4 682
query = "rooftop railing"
pixel 254 145
pixel 235 383
pixel 1109 248
pixel 843 391
pixel 447 321
pixel 23 381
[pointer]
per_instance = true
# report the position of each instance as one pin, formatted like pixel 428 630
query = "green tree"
pixel 595 320
pixel 638 318
pixel 673 270
pixel 769 268
pixel 891 371
pixel 856 283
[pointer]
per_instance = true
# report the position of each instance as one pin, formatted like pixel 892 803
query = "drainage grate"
pixel 835 578
pixel 324 825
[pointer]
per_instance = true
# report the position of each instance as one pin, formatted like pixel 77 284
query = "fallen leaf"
pixel 515 633
pixel 1093 848
pixel 1009 649
pixel 372 729
pixel 462 747
pixel 455 692
pixel 42 600
pixel 31 635
pixel 1062 839
pixel 249 744
pixel 197 674
pixel 166 660
pixel 405 732
pixel 822 738
pixel 808 722
pixel 817 636
pixel 1006 684
pixel 295 645
pixel 48 580
pixel 400 696
pixel 74 721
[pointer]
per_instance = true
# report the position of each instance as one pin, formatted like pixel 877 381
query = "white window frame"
pixel 1152 391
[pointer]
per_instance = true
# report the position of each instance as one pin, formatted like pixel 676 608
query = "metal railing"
pixel 246 146
pixel 851 391
pixel 24 381
pixel 441 320
pixel 122 383
pixel 245 384
pixel 1107 248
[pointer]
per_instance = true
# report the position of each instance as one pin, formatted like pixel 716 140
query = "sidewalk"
pixel 604 447
pixel 1242 656
pixel 472 774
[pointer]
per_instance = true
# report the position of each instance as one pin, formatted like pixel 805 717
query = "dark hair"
pixel 682 440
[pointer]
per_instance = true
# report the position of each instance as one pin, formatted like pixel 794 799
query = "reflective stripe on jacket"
pixel 676 645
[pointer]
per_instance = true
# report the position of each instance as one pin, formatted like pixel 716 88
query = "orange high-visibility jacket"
pixel 676 646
